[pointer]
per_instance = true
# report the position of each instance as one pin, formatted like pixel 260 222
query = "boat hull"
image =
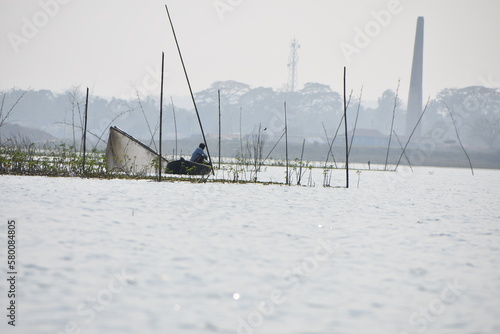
pixel 185 167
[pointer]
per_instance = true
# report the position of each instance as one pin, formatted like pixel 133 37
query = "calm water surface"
pixel 403 253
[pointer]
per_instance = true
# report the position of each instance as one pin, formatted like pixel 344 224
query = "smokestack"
pixel 415 96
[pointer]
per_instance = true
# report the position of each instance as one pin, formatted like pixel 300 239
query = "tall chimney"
pixel 415 97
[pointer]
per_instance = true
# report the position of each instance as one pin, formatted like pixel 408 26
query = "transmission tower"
pixel 293 60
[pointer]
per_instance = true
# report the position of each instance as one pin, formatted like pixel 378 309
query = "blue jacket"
pixel 197 153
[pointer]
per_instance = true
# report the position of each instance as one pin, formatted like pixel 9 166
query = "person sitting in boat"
pixel 198 155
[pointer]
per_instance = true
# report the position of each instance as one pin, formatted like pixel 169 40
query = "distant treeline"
pixel 314 112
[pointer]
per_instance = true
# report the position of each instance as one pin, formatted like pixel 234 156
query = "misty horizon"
pixel 51 44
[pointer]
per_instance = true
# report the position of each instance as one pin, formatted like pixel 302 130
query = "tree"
pixel 206 100
pixel 308 108
pixel 381 117
pixel 5 114
pixel 260 105
pixel 476 110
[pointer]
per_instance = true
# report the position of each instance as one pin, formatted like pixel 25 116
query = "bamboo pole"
pixel 346 137
pixel 458 137
pixel 301 157
pixel 218 97
pixel 85 131
pixel 161 114
pixel 356 121
pixel 257 154
pixel 330 149
pixel 392 125
pixel 411 134
pixel 189 86
pixel 152 140
pixel 257 151
pixel 330 145
pixel 175 127
pixel 271 151
pixel 401 146
pixel 241 139
pixel 336 133
pixel 286 148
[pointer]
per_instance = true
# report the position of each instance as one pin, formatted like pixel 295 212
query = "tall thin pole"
pixel 401 145
pixel 241 139
pixel 411 134
pixel 346 139
pixel 85 130
pixel 161 113
pixel 458 137
pixel 175 126
pixel 218 95
pixel 356 121
pixel 189 85
pixel 286 147
pixel 301 157
pixel 392 126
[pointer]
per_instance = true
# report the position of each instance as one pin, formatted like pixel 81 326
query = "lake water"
pixel 400 253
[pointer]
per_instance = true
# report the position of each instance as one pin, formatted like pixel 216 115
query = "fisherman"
pixel 198 154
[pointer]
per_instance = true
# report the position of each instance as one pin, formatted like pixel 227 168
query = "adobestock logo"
pixel 224 6
pixel 489 81
pixel 30 28
pixel 87 311
pixel 373 28
pixel 294 277
pixel 423 318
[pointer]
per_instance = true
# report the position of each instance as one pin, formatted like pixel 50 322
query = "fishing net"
pixel 127 154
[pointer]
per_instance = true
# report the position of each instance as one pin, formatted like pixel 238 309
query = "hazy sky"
pixel 113 46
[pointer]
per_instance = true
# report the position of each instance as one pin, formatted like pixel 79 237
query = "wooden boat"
pixel 186 167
